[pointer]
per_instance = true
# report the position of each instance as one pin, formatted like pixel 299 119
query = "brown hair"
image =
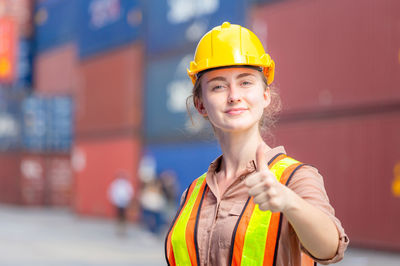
pixel 270 115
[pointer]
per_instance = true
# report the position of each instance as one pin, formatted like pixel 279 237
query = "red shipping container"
pixel 56 71
pixel 356 156
pixel 10 178
pixel 112 92
pixel 96 163
pixel 33 179
pixel 59 177
pixel 331 54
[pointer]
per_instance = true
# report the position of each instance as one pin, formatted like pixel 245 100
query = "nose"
pixel 234 94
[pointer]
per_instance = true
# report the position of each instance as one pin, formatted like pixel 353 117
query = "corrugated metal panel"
pixel 174 25
pixel 47 123
pixel 24 64
pixel 56 71
pixel 187 160
pixel 107 24
pixel 166 118
pixel 356 156
pixel 33 180
pixel 59 177
pixel 10 120
pixel 34 123
pixel 56 23
pixel 10 178
pixel 96 163
pixel 326 62
pixel 111 96
pixel 60 126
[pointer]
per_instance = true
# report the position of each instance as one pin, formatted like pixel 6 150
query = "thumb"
pixel 261 159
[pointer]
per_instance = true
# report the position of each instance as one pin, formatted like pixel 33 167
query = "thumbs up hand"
pixel 267 191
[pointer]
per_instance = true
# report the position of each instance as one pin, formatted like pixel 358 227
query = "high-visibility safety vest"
pixel 255 236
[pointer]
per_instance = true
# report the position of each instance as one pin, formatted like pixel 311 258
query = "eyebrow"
pixel 224 79
pixel 244 75
pixel 216 78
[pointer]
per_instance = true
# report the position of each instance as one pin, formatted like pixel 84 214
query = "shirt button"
pixel 242 177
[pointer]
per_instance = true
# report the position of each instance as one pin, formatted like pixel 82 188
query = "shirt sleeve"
pixel 308 184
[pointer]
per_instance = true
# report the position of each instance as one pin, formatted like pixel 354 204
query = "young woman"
pixel 254 205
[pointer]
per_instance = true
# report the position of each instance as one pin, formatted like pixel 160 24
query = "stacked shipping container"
pixel 109 102
pixel 15 82
pixel 337 70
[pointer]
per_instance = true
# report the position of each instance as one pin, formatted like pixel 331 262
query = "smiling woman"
pixel 255 205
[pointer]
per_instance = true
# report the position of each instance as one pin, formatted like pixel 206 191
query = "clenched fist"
pixel 267 191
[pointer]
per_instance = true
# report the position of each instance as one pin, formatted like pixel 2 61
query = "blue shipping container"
pixel 187 160
pixel 166 118
pixel 48 123
pixel 106 24
pixel 10 121
pixel 34 124
pixel 56 23
pixel 60 123
pixel 24 64
pixel 175 24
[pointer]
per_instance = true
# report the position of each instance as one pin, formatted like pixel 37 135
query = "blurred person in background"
pixel 120 194
pixel 170 188
pixel 255 205
pixel 152 199
pixel 153 203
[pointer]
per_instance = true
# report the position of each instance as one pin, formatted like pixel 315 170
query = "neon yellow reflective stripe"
pixel 255 239
pixel 178 237
pixel 257 229
pixel 281 165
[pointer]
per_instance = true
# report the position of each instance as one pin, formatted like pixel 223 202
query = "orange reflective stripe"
pixel 272 237
pixel 277 159
pixel 180 247
pixel 244 219
pixel 286 175
pixel 240 232
pixel 242 251
pixel 190 228
pixel 169 250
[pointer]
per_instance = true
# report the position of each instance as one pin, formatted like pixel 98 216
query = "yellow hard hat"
pixel 230 45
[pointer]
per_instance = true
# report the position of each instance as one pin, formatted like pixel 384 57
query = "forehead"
pixel 230 72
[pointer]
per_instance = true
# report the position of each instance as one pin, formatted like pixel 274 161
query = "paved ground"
pixel 48 237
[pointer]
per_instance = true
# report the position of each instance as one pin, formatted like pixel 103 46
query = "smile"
pixel 236 111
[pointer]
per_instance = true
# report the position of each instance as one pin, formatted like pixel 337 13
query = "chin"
pixel 237 127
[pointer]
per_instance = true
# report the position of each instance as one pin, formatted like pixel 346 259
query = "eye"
pixel 246 83
pixel 217 87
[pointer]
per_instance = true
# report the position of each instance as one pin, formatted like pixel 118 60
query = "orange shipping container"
pixel 96 163
pixel 111 92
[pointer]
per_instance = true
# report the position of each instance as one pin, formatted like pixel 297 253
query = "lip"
pixel 236 111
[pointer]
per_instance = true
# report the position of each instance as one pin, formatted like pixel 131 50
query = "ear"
pixel 267 97
pixel 198 103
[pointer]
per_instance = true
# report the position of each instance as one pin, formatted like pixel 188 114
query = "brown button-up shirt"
pixel 219 214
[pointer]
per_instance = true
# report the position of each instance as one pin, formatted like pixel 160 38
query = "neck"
pixel 238 150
